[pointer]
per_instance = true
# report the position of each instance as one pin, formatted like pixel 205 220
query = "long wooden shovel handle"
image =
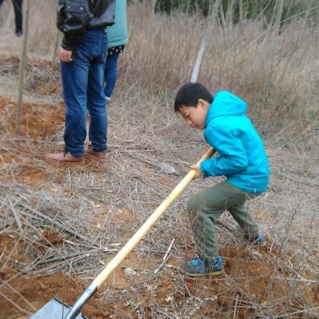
pixel 119 257
pixel 137 237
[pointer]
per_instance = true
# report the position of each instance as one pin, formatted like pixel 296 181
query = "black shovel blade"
pixel 55 309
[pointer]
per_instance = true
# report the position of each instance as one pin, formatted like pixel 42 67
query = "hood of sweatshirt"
pixel 226 104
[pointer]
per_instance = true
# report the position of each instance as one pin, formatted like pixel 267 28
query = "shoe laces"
pixel 195 261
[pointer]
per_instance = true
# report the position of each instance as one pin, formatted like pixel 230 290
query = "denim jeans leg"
pixel 97 108
pixel 96 43
pixel 75 80
pixel 110 74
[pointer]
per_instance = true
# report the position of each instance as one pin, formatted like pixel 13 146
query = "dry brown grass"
pixel 278 77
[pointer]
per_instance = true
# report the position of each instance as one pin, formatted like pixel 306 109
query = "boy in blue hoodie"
pixel 242 160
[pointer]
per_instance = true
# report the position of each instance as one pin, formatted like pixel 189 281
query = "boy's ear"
pixel 203 103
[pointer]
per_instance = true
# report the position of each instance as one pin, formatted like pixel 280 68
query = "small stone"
pixel 129 272
pixel 168 169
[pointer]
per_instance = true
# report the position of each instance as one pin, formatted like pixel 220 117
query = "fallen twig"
pixel 165 258
pixel 298 280
pixel 235 309
pixel 296 312
pixel 15 214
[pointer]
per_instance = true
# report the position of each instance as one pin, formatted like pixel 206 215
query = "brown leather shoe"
pixel 67 158
pixel 98 156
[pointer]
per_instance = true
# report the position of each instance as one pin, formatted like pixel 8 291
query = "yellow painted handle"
pixel 119 257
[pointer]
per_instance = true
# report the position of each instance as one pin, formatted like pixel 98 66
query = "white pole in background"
pixel 204 42
pixel 198 59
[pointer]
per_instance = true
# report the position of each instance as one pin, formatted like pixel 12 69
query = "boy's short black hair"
pixel 190 93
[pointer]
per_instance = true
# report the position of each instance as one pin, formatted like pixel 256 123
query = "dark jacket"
pixel 74 17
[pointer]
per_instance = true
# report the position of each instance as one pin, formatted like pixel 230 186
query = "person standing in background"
pixel 82 58
pixel 117 39
pixel 17 6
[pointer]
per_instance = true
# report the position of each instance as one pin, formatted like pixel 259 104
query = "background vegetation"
pixel 238 10
pixel 276 72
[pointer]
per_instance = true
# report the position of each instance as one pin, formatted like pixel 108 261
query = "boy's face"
pixel 195 116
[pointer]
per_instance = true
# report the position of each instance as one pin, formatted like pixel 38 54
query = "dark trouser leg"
pixel 245 219
pixel 17 6
pixel 207 206
pixel 110 74
pixel 96 103
pixel 75 81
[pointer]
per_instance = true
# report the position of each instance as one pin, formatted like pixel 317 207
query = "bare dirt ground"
pixel 61 225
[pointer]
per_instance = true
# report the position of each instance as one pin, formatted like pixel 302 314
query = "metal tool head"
pixel 55 309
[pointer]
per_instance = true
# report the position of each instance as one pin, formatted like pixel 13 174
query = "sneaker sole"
pixel 263 244
pixel 213 274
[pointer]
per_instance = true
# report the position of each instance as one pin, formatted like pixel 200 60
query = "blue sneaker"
pixel 199 267
pixel 257 241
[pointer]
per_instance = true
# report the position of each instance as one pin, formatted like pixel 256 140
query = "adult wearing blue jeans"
pixel 117 39
pixel 83 54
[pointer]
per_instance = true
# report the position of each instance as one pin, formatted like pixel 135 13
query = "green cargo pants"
pixel 206 207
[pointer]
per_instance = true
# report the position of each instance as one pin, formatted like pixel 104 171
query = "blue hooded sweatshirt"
pixel 242 158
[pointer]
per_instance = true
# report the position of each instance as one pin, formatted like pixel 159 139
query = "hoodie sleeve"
pixel 232 155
